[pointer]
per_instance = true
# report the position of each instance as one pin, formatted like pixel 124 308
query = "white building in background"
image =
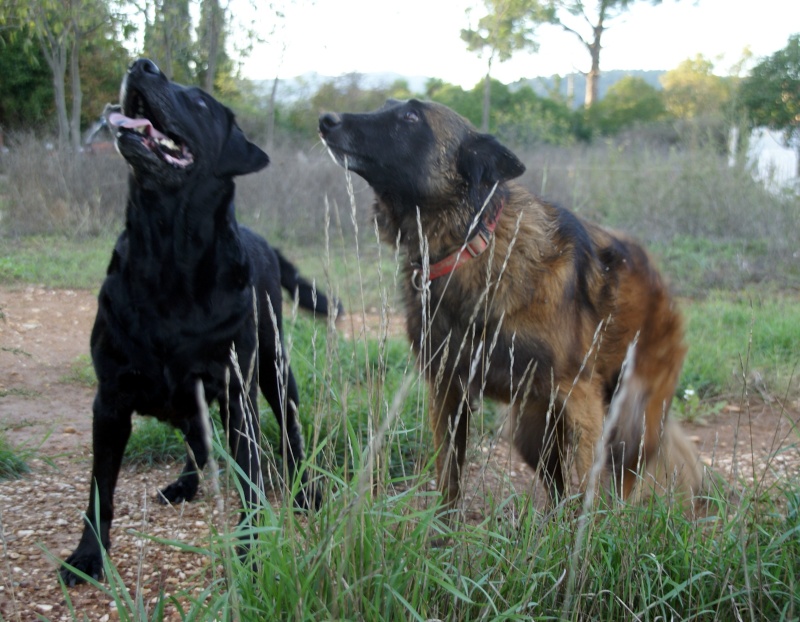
pixel 774 163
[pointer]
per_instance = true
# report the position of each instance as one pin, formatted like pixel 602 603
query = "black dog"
pixel 187 290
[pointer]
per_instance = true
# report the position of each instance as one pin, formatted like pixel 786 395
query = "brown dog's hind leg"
pixel 584 417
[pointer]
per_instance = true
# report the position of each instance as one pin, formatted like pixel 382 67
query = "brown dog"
pixel 521 301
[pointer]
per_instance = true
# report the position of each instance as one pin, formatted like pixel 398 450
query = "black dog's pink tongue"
pixel 117 120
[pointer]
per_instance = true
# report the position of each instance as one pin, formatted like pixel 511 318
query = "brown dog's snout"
pixel 328 121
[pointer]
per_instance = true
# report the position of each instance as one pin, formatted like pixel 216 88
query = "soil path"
pixel 44 338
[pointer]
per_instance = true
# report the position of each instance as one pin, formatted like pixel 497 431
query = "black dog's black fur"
pixel 186 287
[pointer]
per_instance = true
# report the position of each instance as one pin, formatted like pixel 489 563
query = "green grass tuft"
pixel 13 460
pixel 153 442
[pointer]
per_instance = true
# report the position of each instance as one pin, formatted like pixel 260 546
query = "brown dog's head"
pixel 419 154
pixel 170 133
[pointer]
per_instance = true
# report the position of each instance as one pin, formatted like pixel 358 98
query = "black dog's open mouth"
pixel 144 130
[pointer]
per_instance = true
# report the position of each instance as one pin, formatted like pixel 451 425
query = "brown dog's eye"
pixel 411 116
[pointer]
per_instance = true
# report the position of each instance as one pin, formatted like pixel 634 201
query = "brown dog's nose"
pixel 144 65
pixel 328 121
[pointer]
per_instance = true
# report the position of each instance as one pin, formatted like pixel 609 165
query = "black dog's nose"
pixel 144 65
pixel 328 121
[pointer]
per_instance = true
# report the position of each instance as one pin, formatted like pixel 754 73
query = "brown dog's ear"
pixel 483 161
pixel 239 156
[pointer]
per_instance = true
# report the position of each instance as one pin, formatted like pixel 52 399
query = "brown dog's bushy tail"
pixel 674 469
pixel 650 452
pixel 308 296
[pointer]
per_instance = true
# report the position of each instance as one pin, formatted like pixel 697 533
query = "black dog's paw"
pixel 89 562
pixel 178 492
pixel 309 497
pixel 340 313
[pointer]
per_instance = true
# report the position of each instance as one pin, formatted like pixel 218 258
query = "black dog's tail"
pixel 308 296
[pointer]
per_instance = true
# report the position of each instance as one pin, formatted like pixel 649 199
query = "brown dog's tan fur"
pixel 543 319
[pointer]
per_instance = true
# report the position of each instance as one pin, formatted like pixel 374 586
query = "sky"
pixel 422 38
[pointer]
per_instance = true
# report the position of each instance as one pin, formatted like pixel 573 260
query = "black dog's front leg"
pixel 110 432
pixel 185 487
pixel 281 393
pixel 243 429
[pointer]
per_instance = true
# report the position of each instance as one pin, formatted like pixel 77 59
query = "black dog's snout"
pixel 144 65
pixel 329 121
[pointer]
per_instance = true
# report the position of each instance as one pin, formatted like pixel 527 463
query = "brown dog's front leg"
pixel 449 415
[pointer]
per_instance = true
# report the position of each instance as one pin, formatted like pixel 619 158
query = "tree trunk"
pixel 55 53
pixel 487 97
pixel 593 77
pixel 167 68
pixel 797 162
pixel 213 31
pixel 59 91
pixel 271 114
pixel 77 95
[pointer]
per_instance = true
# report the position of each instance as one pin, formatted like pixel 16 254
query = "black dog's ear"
pixel 239 156
pixel 484 161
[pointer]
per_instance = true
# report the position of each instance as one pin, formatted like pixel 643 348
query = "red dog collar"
pixel 473 247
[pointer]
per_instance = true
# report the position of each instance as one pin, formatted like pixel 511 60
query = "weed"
pixel 13 460
pixel 81 372
pixel 152 442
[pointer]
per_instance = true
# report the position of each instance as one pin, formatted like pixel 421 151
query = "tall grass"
pixel 376 550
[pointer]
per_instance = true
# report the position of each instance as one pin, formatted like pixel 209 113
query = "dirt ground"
pixel 42 334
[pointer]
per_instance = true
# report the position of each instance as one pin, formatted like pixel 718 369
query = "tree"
pixel 629 101
pixel 508 26
pixel 771 94
pixel 588 26
pixel 26 90
pixel 211 39
pixel 60 27
pixel 167 38
pixel 103 61
pixel 691 90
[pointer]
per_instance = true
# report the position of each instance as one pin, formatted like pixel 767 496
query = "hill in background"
pixel 303 87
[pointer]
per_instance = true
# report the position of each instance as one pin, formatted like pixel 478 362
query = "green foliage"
pixel 529 120
pixel 520 117
pixel 507 27
pixel 345 93
pixel 631 101
pixel 691 90
pixel 26 90
pixel 103 62
pixel 771 95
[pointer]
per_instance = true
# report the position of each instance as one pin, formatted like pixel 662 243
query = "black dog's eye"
pixel 201 103
pixel 411 116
